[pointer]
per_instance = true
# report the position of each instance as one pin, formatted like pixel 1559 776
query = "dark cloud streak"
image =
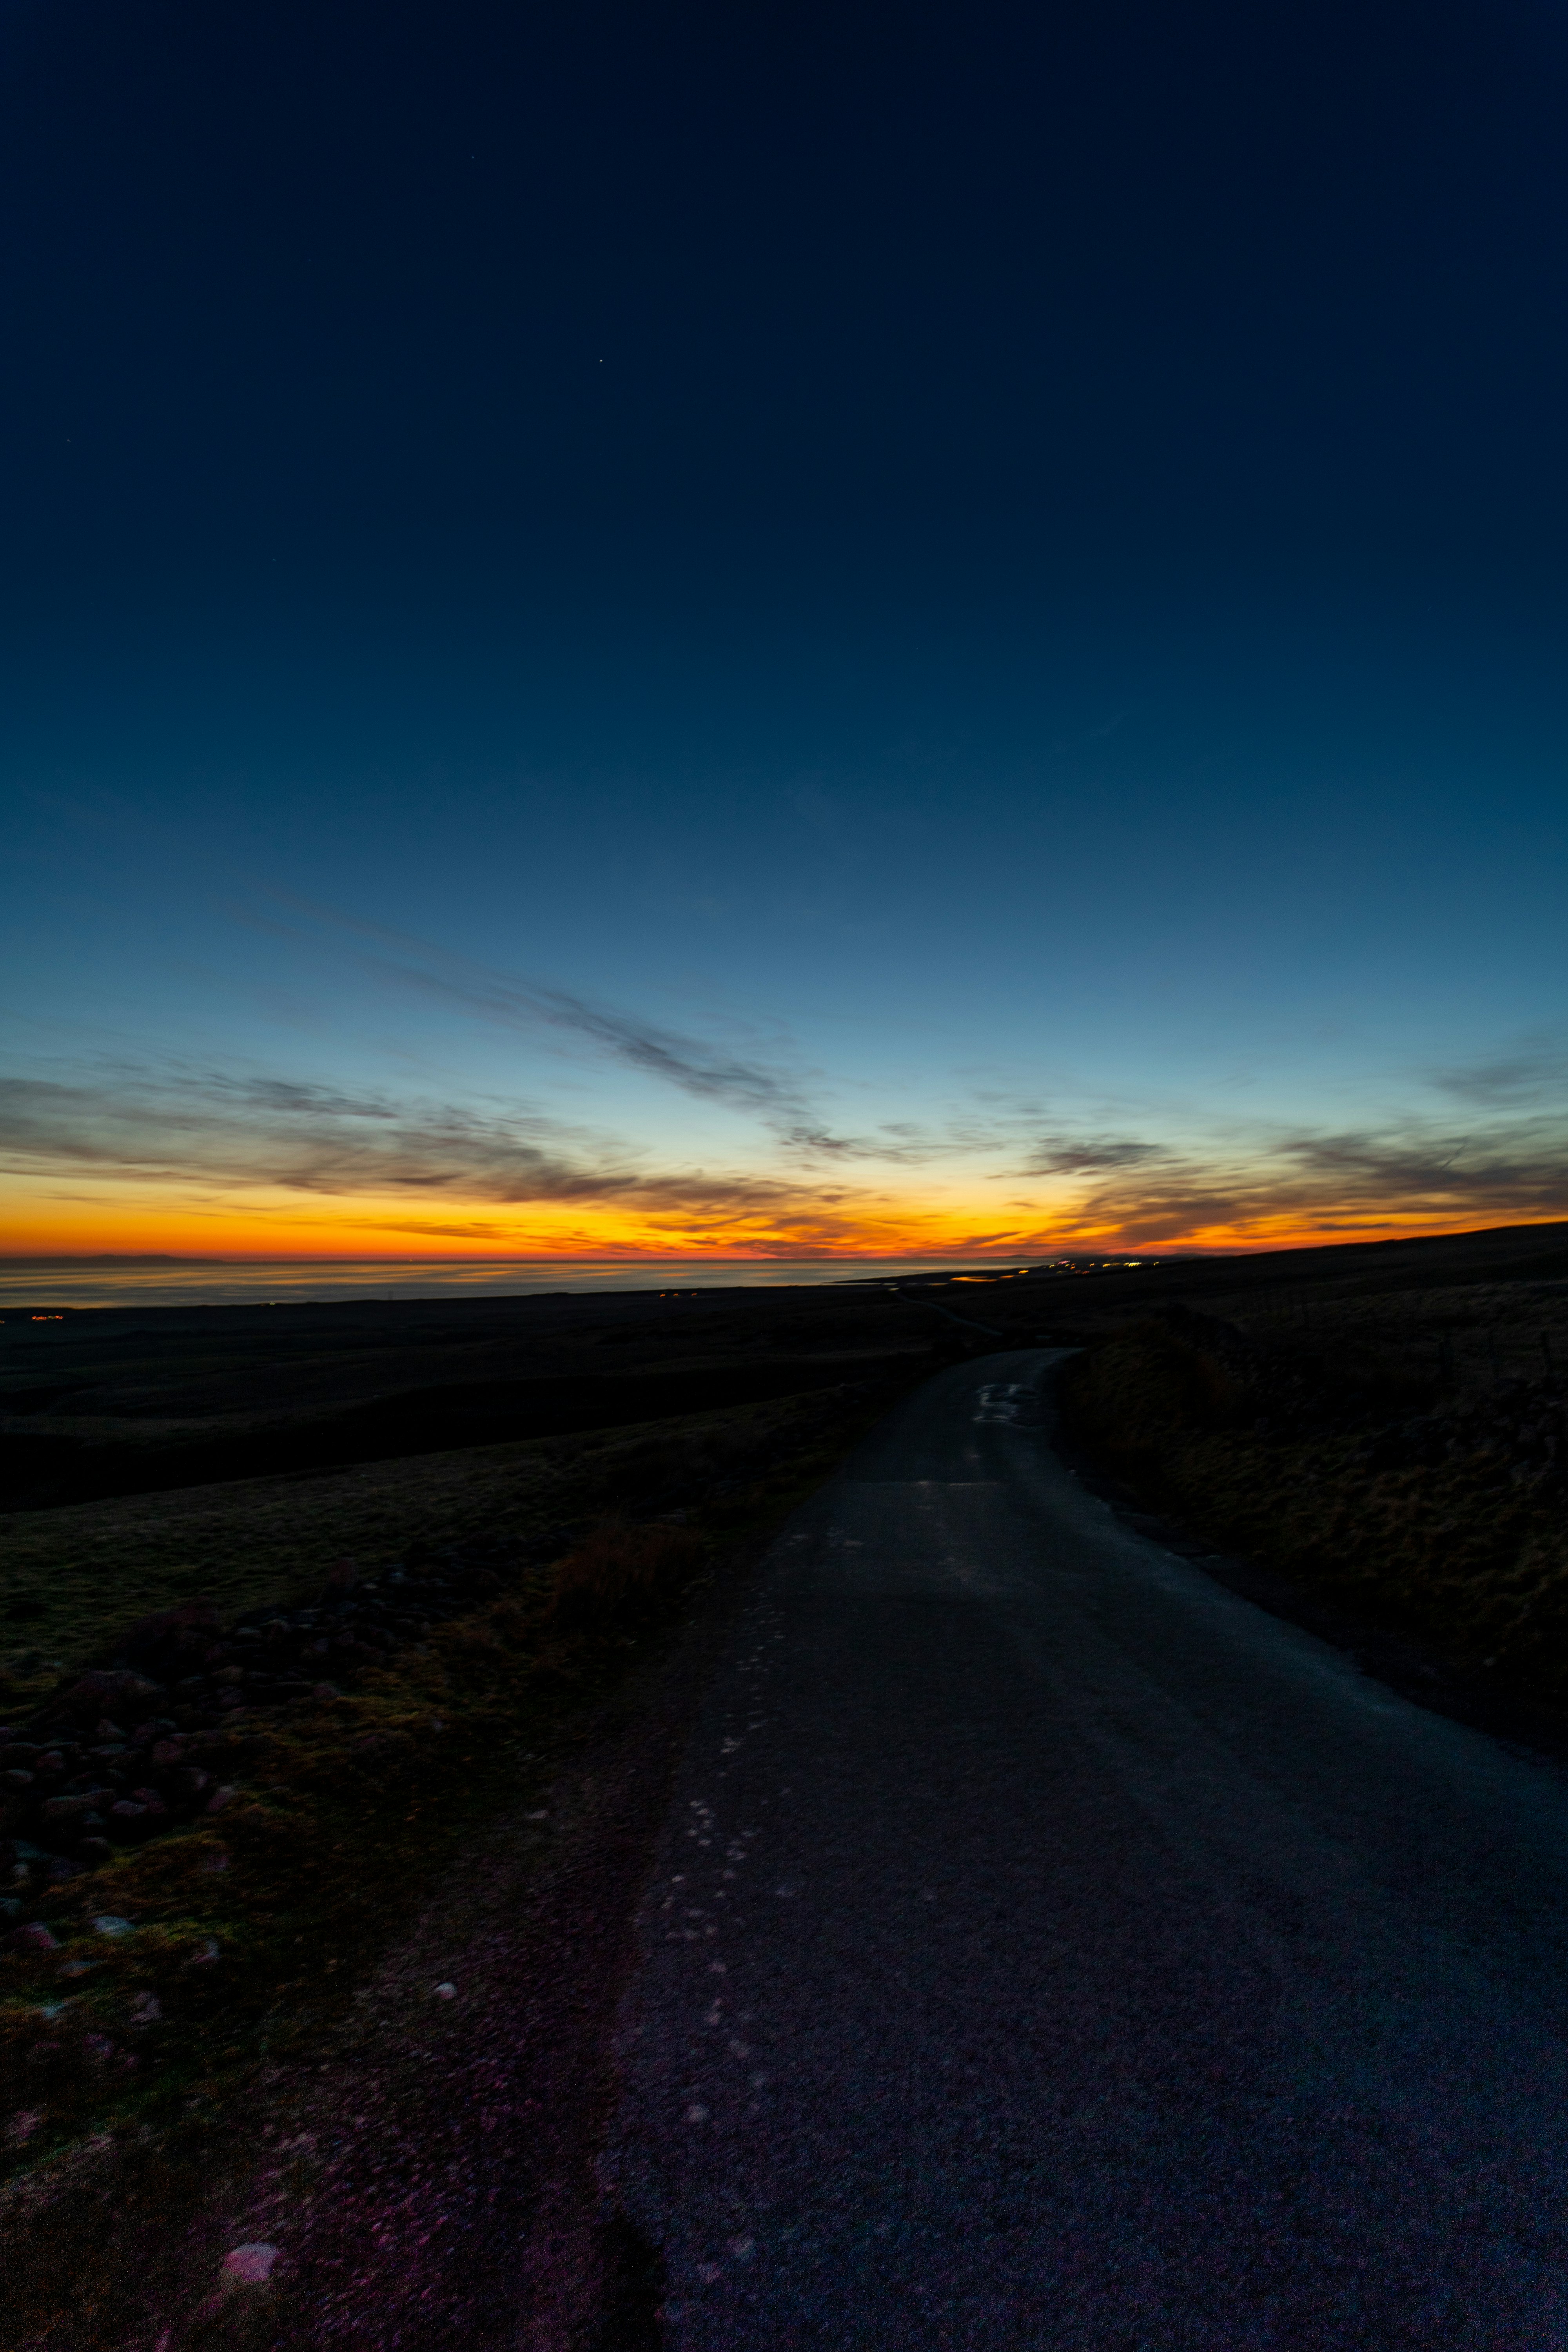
pixel 709 1073
pixel 219 1136
pixel 1060 1155
pixel 247 1136
pixel 1330 1185
pixel 1527 1075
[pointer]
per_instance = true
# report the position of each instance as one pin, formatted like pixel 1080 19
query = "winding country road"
pixel 1049 1948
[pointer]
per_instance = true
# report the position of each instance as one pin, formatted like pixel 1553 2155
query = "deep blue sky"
pixel 810 625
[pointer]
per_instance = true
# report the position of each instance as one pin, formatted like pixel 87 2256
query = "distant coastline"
pixel 168 1281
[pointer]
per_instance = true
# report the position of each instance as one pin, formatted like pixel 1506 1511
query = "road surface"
pixel 1050 1948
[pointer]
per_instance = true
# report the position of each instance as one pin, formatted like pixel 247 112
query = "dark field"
pixel 261 1719
pixel 147 1455
pixel 151 1457
pixel 351 1580
pixel 123 1400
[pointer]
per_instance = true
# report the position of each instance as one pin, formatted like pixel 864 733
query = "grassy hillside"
pixel 75 1577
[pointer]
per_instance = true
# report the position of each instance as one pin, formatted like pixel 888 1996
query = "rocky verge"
pixel 218 1832
pixel 125 1753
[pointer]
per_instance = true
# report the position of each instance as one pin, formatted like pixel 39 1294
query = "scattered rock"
pixel 181 1659
pixel 66 1813
pixel 33 1938
pixel 251 2265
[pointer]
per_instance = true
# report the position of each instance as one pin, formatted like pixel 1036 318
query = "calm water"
pixel 214 1282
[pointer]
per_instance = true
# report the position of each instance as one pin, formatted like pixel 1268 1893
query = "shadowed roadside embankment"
pixel 1423 1504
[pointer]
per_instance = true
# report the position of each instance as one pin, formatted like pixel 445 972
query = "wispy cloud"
pixel 290 1095
pixel 1061 1155
pixel 279 1134
pixel 195 1138
pixel 1250 1186
pixel 1533 1072
pixel 769 1083
pixel 390 1159
pixel 1520 1163
pixel 262 1140
pixel 713 1074
pixel 759 1077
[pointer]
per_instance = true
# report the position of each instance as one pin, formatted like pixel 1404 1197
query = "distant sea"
pixel 38 1281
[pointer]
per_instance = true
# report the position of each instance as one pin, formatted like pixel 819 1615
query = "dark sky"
pixel 963 554
pixel 458 294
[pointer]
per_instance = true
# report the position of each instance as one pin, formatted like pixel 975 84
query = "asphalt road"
pixel 1049 1948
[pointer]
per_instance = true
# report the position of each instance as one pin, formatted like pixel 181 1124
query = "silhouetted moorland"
pixel 305 1603
pixel 123 1401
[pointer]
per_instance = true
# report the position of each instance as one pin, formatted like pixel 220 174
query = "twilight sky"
pixel 783 629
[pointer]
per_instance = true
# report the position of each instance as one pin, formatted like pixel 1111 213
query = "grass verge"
pixel 127 2052
pixel 76 1576
pixel 1437 1514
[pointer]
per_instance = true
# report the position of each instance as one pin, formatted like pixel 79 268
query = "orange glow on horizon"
pixel 375 1232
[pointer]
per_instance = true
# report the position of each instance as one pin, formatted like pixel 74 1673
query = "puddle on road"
pixel 1009 1400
